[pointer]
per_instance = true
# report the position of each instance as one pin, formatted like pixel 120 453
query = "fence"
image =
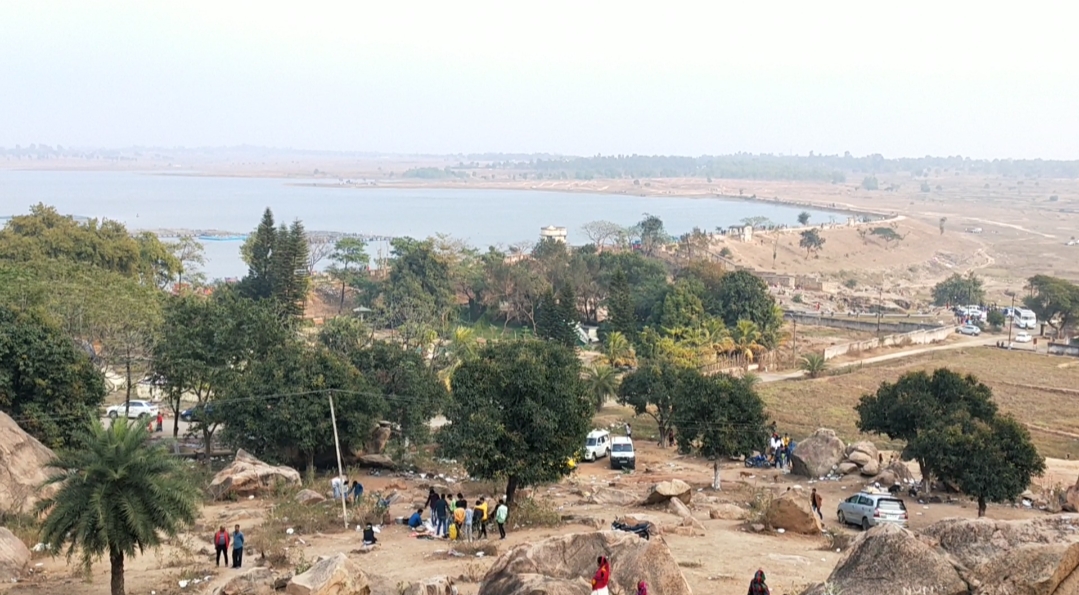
pixel 1063 349
pixel 918 337
pixel 867 324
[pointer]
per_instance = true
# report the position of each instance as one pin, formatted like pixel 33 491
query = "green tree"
pixel 256 252
pixel 959 289
pixel 458 348
pixel 621 316
pixel 811 241
pixel 747 340
pixel 870 183
pixel 681 307
pixel 418 289
pixel 919 402
pixel 814 365
pixel 206 345
pixel 344 334
pixel 887 234
pixel 519 412
pixel 412 391
pixel 116 494
pixel 552 323
pixel 995 318
pixel 288 269
pixel 351 255
pixel 619 351
pixel 190 254
pixel 157 263
pixel 1054 301
pixel 744 296
pixel 601 382
pixel 803 218
pixel 718 416
pixel 652 390
pixel 652 234
pixel 47 385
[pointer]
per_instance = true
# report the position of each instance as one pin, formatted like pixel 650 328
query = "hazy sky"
pixel 575 77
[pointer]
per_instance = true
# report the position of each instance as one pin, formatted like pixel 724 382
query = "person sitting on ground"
pixel 369 535
pixel 416 520
pixel 757 585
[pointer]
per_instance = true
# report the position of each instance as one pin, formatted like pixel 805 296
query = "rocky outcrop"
pixel 309 497
pixel 247 476
pixel 13 555
pixel 376 461
pixel 563 565
pixel 336 575
pixel 23 468
pixel 255 581
pixel 665 490
pixel 963 557
pixel 612 497
pixel 888 560
pixel 817 455
pixel 791 512
pixel 727 512
pixel 895 472
pixel 438 585
pixel 1071 498
pixel 376 443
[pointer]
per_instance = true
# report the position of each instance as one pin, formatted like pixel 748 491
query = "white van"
pixel 622 455
pixel 597 444
pixel 1025 319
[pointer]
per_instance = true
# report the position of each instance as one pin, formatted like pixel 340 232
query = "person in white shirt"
pixel 338 486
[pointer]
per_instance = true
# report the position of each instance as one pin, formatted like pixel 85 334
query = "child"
pixel 469 519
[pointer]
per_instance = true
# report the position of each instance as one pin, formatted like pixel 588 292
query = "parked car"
pixel 136 410
pixel 597 444
pixel 194 413
pixel 969 329
pixel 622 455
pixel 869 509
pixel 1023 337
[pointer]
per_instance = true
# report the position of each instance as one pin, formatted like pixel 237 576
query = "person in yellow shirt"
pixel 481 518
pixel 459 520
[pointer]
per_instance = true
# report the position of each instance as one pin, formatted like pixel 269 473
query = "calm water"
pixel 482 217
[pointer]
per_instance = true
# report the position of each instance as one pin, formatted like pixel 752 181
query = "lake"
pixel 480 216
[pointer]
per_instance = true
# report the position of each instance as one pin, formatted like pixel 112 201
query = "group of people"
pixel 456 519
pixel 341 489
pixel 779 450
pixel 222 540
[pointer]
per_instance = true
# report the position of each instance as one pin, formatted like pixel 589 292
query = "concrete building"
pixel 554 233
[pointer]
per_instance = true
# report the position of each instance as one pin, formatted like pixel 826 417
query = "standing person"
pixel 338 486
pixel 237 547
pixel 602 577
pixel 469 519
pixel 441 516
pixel 432 497
pixel 481 512
pixel 670 437
pixel 629 431
pixel 459 513
pixel 501 514
pixel 461 501
pixel 357 491
pixel 221 545
pixel 160 420
pixel 757 586
pixel 815 502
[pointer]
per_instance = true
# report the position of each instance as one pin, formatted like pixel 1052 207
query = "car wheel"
pixel 842 519
pixel 608 453
pixel 112 415
pixel 865 524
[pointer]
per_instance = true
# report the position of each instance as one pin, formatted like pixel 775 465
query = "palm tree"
pixel 462 347
pixel 747 340
pixel 620 352
pixel 116 494
pixel 814 365
pixel 602 382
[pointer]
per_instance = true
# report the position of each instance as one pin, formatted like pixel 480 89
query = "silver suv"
pixel 869 509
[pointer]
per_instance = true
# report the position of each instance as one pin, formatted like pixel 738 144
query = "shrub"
pixel 814 365
pixel 530 513
pixel 726 252
pixel 798 298
pixel 850 283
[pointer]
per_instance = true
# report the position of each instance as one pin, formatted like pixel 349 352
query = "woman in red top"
pixel 602 577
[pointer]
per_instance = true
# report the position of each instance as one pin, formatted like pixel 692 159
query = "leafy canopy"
pixel 959 289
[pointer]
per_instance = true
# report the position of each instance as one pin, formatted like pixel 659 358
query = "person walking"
pixel 432 497
pixel 160 421
pixel 602 577
pixel 441 516
pixel 501 514
pixel 237 547
pixel 757 585
pixel 815 502
pixel 469 519
pixel 221 545
pixel 481 512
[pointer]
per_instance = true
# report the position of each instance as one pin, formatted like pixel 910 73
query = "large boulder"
pixel 1029 557
pixel 893 473
pixel 817 455
pixel 248 475
pixel 728 512
pixel 376 443
pixel 563 566
pixel 1071 498
pixel 889 560
pixel 309 497
pixel 255 581
pixel 23 468
pixel 871 469
pixel 863 450
pixel 860 458
pixel 612 497
pixel 438 585
pixel 336 575
pixel 13 555
pixel 376 461
pixel 791 512
pixel 847 468
pixel 665 490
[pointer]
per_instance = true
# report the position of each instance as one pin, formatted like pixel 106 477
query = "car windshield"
pixel 623 448
pixel 590 442
pixel 890 505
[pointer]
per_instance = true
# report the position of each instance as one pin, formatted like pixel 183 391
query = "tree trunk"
pixel 715 474
pixel 311 466
pixel 127 401
pixel 116 560
pixel 511 487
pixel 207 438
pixel 981 506
pixel 341 306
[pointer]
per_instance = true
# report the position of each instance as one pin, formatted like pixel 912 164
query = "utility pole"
pixel 340 468
pixel 1011 320
pixel 795 321
pixel 880 307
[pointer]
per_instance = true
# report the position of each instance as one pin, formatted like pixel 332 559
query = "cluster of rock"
pixel 962 557
pixel 248 476
pixel 333 575
pixel 823 455
pixel 24 467
pixel 1071 498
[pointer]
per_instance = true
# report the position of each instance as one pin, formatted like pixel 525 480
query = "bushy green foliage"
pixel 1054 301
pixel 959 289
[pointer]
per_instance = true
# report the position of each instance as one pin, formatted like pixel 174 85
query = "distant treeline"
pixel 833 168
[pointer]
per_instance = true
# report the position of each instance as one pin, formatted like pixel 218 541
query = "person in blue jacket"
pixel 416 520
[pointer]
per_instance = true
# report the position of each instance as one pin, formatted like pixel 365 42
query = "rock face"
pixel 336 575
pixel 613 497
pixel 815 456
pixel 888 560
pixel 376 443
pixel 1071 498
pixel 248 475
pixel 665 490
pixel 564 565
pixel 865 449
pixel 13 555
pixel 309 497
pixel 791 512
pixel 893 473
pixel 871 469
pixel 22 466
pixel 256 581
pixel 963 557
pixel 377 461
pixel 847 468
pixel 438 585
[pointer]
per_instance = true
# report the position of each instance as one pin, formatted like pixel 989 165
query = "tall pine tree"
pixel 620 311
pixel 277 265
pixel 257 252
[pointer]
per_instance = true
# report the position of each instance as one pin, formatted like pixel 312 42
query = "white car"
pixel 622 455
pixel 869 509
pixel 597 444
pixel 1023 337
pixel 138 409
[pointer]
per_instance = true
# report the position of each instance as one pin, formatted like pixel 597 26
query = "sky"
pixel 985 80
